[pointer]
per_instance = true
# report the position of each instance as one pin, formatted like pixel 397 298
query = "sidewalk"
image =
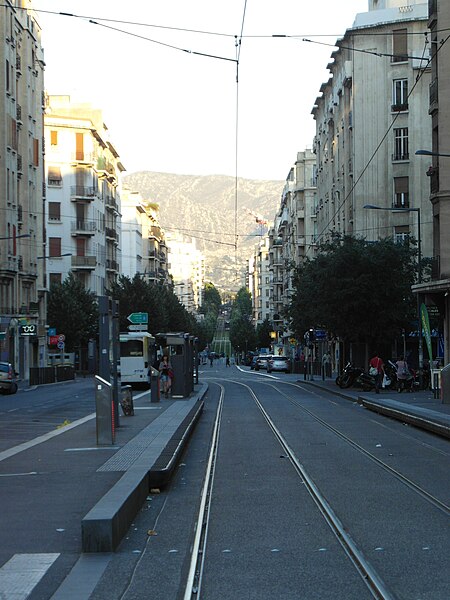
pixel 418 408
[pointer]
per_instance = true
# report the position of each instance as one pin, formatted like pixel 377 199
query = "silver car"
pixel 8 382
pixel 279 363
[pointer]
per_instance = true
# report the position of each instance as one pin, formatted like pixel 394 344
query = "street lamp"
pixel 419 257
pixel 430 153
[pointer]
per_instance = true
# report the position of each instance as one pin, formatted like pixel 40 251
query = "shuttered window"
pixel 54 176
pixel 401 192
pixel 400 45
pixel 54 246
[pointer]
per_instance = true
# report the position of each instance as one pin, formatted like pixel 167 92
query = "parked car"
pixel 253 362
pixel 261 361
pixel 279 363
pixel 8 379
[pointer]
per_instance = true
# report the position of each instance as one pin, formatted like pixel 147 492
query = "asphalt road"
pixel 387 483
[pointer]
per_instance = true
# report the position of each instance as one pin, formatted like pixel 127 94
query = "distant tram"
pixel 137 355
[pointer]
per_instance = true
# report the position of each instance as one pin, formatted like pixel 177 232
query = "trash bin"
pixel 126 400
pixel 155 391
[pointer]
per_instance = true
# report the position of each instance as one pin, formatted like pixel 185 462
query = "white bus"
pixel 137 355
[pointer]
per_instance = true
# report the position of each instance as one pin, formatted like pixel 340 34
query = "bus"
pixel 137 355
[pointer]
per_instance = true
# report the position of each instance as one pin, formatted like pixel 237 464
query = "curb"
pixel 107 522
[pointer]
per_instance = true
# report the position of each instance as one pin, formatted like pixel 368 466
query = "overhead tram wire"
pixel 238 45
pixel 375 152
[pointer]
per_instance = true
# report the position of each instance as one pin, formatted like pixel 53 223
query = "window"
pixel 53 138
pixel 401 234
pixel 400 45
pixel 55 278
pixel 35 152
pixel 54 246
pixel 54 176
pixel 401 192
pixel 401 149
pixel 400 95
pixel 54 211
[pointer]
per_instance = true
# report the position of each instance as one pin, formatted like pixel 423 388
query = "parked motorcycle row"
pixel 357 377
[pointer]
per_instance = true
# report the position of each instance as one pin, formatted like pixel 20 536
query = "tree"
pixel 73 311
pixel 357 290
pixel 242 332
pixel 212 301
pixel 263 339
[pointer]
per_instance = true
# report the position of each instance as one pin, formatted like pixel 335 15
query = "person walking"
pixel 376 369
pixel 403 374
pixel 227 363
pixel 166 375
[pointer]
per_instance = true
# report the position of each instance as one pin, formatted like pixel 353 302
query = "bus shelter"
pixel 179 347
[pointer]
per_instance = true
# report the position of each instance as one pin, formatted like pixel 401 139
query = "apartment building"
pixel 187 269
pixel 260 282
pixel 370 117
pixel 82 172
pixel 144 249
pixel 22 190
pixel 436 291
pixel 292 235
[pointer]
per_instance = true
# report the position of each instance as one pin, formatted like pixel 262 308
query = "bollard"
pixel 155 392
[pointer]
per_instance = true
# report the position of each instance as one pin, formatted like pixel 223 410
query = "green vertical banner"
pixel 426 329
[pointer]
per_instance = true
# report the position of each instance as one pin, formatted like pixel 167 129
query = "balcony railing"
pixel 433 92
pixel 112 265
pixel 399 156
pixel 83 157
pixel 111 203
pixel 83 191
pixel 83 227
pixel 111 234
pixel 84 262
pixel 399 107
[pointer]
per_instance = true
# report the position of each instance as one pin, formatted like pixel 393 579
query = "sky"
pixel 182 103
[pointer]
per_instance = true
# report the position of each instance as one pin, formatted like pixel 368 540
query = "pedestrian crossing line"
pixel 20 575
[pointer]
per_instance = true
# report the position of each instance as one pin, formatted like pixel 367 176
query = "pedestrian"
pixel 211 359
pixel 403 374
pixel 376 369
pixel 326 360
pixel 227 363
pixel 166 375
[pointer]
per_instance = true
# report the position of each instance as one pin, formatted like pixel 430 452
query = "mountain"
pixel 203 207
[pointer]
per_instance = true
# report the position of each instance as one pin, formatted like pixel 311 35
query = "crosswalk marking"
pixel 22 573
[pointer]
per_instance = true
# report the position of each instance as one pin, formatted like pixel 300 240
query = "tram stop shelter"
pixel 180 349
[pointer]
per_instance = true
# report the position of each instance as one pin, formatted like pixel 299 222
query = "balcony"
pixel 398 156
pixel 82 192
pixel 83 227
pixel 19 113
pixel 83 263
pixel 112 265
pixel 111 203
pixel 111 234
pixel 399 107
pixel 81 157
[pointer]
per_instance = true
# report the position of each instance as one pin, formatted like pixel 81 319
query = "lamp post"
pixel 419 270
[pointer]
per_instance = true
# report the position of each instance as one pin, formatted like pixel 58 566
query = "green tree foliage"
pixel 357 290
pixel 212 301
pixel 73 311
pixel 242 332
pixel 263 339
pixel 165 312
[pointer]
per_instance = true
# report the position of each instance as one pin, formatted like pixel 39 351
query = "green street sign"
pixel 138 318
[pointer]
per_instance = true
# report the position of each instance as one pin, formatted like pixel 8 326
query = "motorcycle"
pixel 366 381
pixel 349 376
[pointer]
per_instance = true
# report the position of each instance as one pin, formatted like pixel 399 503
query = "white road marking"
pixel 22 573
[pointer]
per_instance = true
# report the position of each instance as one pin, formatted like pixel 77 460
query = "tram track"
pixel 374 583
pixel 399 476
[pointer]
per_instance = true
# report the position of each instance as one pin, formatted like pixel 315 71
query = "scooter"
pixel 348 376
pixel 366 381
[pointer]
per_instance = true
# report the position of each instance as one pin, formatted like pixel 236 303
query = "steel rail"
pixel 405 480
pixel 373 581
pixel 194 579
